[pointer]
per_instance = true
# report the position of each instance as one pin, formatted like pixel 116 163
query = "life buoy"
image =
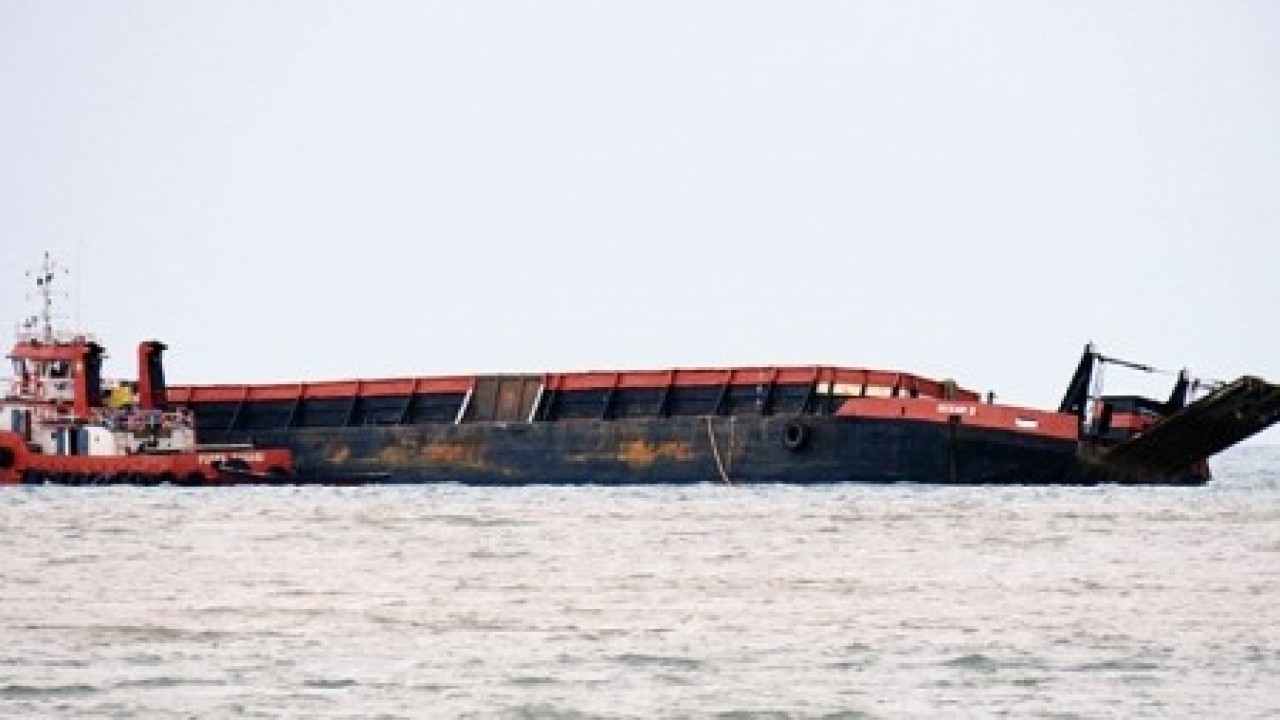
pixel 795 436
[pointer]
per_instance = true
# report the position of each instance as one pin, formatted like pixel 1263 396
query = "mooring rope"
pixel 715 452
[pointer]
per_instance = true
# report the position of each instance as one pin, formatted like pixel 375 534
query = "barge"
pixel 818 424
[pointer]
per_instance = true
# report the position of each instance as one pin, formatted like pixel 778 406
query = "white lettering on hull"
pixel 249 457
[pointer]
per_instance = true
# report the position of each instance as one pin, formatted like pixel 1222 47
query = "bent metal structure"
pixel 61 423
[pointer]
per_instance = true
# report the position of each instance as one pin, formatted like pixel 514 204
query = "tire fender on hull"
pixel 795 436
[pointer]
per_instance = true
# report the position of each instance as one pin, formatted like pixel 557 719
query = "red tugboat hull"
pixel 206 467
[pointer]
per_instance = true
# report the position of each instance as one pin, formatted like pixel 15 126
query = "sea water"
pixel 700 601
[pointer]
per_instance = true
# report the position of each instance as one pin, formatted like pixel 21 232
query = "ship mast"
pixel 44 284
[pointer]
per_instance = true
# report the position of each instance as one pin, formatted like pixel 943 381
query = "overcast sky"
pixel 312 190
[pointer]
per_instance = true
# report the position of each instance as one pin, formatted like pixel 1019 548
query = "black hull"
pixel 682 450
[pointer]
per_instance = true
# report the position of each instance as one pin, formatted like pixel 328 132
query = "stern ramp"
pixel 1215 422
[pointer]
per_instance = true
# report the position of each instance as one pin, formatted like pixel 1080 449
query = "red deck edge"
pixel 776 375
pixel 905 383
pixel 183 394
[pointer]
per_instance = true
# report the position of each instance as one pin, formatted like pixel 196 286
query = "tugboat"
pixel 61 423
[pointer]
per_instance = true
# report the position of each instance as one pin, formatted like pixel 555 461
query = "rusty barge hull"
pixel 812 450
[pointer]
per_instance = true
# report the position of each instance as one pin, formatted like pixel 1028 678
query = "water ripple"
pixel 700 601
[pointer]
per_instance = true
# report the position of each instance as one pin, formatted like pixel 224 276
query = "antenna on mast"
pixel 44 276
